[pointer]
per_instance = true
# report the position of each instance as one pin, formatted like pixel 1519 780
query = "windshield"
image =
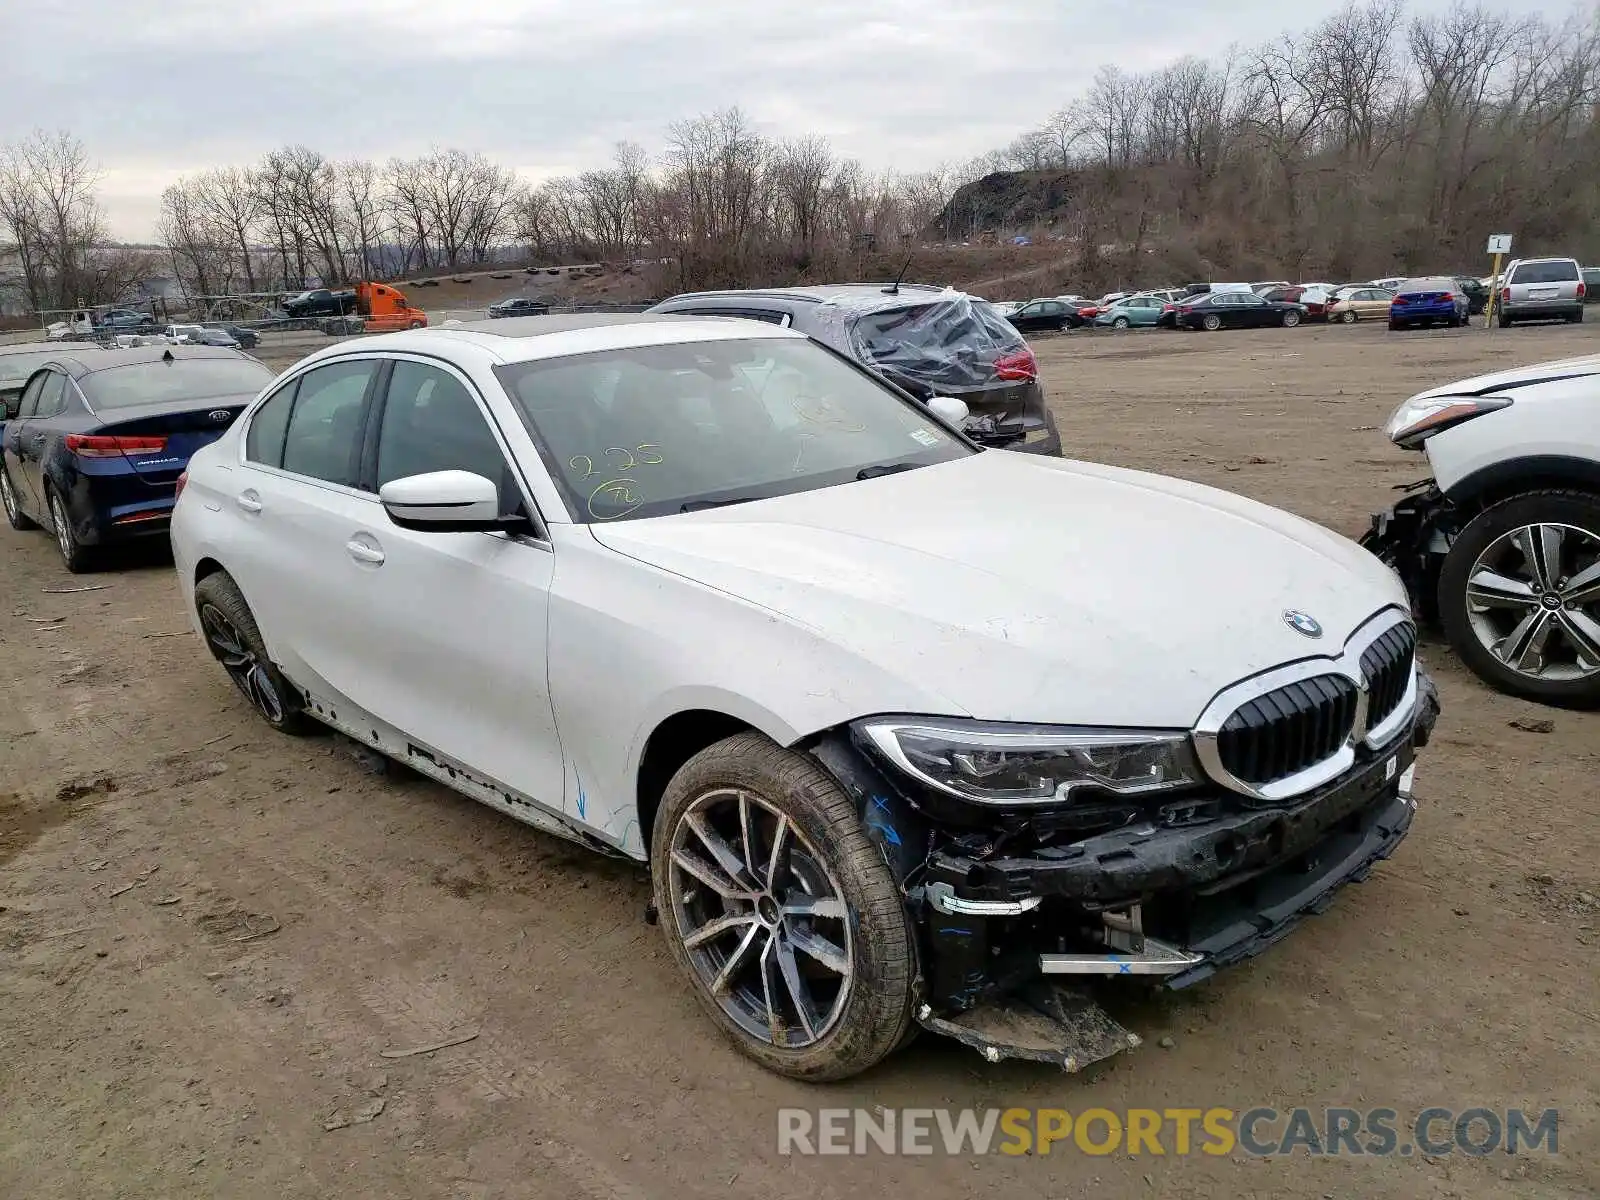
pixel 182 379
pixel 652 430
pixel 15 368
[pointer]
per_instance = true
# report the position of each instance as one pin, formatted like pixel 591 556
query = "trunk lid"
pixel 186 426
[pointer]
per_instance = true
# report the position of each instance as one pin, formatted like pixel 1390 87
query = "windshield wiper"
pixel 698 505
pixel 873 472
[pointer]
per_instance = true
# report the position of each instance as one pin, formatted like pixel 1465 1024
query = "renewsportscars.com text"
pixel 1261 1132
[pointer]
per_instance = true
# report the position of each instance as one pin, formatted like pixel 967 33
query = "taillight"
pixel 1020 364
pixel 1166 308
pixel 183 478
pixel 89 445
pixel 1399 300
pixel 1581 290
pixel 1186 308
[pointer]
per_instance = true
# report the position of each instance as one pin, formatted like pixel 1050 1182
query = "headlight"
pixel 1419 418
pixel 1033 764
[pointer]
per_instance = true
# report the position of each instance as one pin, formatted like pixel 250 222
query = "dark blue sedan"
pixel 1431 300
pixel 101 436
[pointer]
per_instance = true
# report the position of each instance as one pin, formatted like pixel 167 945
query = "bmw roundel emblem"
pixel 1302 622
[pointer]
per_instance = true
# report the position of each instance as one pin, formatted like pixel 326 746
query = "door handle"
pixel 248 501
pixel 364 552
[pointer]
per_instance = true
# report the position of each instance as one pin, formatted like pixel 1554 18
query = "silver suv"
pixel 1541 288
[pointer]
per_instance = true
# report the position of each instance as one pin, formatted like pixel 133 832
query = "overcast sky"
pixel 549 86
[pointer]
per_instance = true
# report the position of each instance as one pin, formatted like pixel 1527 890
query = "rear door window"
pixel 1546 272
pixel 52 397
pixel 263 442
pixel 323 440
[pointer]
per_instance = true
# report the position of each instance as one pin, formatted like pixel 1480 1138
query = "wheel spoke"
pixel 263 694
pixel 1523 648
pixel 730 862
pixel 692 864
pixel 716 928
pixel 1584 587
pixel 821 907
pixel 767 967
pixel 731 967
pixel 747 837
pixel 798 996
pixel 1583 631
pixel 821 949
pixel 780 847
pixel 1490 589
pixel 1541 547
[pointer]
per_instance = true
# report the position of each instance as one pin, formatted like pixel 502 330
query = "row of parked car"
pixel 1529 289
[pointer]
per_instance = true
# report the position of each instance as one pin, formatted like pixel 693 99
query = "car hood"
pixel 1023 588
pixel 1545 372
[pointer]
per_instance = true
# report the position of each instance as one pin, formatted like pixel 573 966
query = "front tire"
pixel 14 514
pixel 1519 597
pixel 1291 319
pixel 781 912
pixel 235 641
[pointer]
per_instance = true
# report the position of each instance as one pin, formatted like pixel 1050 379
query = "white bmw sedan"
pixel 908 733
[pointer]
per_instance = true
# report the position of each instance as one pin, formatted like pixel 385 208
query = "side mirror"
pixel 952 411
pixel 446 502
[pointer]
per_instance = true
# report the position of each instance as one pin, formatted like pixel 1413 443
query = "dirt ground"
pixel 210 934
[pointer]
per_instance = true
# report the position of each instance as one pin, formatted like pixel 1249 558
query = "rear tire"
pixel 77 557
pixel 14 514
pixel 1120 323
pixel 1505 321
pixel 828 860
pixel 1349 316
pixel 1211 322
pixel 1577 317
pixel 235 641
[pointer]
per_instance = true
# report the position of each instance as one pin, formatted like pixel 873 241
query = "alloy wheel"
pixel 246 670
pixel 762 918
pixel 1533 601
pixel 63 528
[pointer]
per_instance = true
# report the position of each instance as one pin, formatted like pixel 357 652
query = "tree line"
pixel 722 203
pixel 1373 141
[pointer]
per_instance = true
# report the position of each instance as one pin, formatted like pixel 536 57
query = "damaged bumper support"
pixel 1016 945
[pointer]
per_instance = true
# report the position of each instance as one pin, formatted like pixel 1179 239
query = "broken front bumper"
pixel 1003 936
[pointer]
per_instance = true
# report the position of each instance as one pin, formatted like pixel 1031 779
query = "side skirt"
pixel 367 730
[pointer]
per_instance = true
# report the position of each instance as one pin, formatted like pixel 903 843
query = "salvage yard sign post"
pixel 1499 244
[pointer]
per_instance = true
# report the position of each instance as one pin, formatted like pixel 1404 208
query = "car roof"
pixel 128 356
pixel 524 339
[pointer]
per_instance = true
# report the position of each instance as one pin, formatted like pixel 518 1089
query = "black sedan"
pixel 519 306
pixel 1235 310
pixel 1037 316
pixel 101 437
pixel 248 339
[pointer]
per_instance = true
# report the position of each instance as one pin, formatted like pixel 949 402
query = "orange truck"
pixel 379 309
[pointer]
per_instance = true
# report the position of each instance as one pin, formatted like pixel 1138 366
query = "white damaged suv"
pixel 907 732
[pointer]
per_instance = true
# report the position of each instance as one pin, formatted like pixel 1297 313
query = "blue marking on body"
pixel 583 798
pixel 882 825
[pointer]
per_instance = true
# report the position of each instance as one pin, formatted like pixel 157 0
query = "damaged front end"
pixel 1025 916
pixel 1412 537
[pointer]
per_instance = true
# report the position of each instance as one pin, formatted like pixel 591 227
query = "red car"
pixel 1314 298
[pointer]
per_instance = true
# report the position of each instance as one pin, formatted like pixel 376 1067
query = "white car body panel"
pixel 1123 599
pixel 1559 417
